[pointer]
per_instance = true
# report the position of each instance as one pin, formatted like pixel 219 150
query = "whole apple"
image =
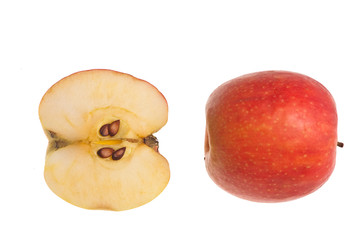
pixel 271 136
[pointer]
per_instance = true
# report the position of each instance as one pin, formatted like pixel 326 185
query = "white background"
pixel 186 49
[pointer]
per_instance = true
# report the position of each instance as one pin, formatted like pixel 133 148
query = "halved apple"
pixel 101 152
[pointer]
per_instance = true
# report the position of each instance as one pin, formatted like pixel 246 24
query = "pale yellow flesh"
pixel 72 106
pixel 72 112
pixel 74 174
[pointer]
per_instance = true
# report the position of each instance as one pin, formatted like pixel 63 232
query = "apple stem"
pixel 340 144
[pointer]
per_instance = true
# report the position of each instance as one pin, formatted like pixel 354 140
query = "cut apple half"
pixel 102 153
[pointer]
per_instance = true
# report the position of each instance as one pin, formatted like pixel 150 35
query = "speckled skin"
pixel 270 136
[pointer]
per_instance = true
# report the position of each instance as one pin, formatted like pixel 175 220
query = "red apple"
pixel 271 136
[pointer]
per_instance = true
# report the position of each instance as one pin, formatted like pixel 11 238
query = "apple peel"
pixel 271 136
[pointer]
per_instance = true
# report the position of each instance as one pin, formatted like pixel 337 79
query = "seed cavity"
pixel 113 128
pixel 118 154
pixel 104 130
pixel 110 129
pixel 105 152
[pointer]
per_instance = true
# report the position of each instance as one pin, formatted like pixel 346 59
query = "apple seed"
pixel 105 152
pixel 118 154
pixel 114 127
pixel 104 130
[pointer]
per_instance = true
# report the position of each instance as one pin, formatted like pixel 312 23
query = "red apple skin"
pixel 270 136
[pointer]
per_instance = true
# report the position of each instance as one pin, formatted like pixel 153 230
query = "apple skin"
pixel 270 136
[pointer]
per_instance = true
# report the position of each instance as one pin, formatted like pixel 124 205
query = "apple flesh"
pixel 270 136
pixel 102 153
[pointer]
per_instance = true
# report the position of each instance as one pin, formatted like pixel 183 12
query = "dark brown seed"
pixel 118 154
pixel 114 127
pixel 104 130
pixel 105 152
